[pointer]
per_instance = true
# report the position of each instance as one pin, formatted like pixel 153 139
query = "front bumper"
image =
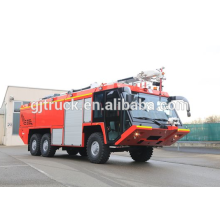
pixel 148 136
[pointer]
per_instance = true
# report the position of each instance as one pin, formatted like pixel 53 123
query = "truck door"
pixel 112 115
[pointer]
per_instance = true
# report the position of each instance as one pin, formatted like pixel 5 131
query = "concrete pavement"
pixel 167 167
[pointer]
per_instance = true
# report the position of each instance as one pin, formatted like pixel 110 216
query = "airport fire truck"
pixel 95 131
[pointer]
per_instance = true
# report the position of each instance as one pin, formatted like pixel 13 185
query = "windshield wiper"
pixel 146 118
pixel 161 119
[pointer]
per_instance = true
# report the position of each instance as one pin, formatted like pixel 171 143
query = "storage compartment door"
pixel 57 135
pixel 73 125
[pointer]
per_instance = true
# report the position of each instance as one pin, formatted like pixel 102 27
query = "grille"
pixel 26 121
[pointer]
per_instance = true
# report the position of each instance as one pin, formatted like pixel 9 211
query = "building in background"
pixel 1 125
pixel 10 110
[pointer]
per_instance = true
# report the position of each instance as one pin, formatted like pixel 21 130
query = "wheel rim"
pixel 95 148
pixel 34 145
pixel 45 145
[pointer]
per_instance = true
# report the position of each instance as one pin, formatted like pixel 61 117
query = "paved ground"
pixel 168 167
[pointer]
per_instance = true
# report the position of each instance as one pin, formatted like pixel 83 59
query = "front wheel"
pixel 97 151
pixel 141 154
pixel 45 146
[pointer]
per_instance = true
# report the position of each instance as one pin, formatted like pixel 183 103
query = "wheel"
pixel 72 151
pixel 35 144
pixel 83 152
pixel 45 146
pixel 97 151
pixel 141 154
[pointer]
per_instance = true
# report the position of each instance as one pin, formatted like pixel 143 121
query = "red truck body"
pixel 58 123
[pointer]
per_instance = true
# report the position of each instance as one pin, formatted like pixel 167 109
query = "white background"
pixel 110 203
pixel 71 44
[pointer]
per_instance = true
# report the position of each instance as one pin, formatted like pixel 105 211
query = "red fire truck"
pixel 96 131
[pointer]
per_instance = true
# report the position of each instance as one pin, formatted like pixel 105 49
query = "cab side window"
pixel 98 111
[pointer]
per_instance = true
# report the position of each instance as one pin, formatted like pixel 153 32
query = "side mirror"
pixel 172 98
pixel 127 89
pixel 129 98
pixel 188 114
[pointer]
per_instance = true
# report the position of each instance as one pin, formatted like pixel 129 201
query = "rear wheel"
pixel 141 154
pixel 97 151
pixel 46 149
pixel 34 144
pixel 72 151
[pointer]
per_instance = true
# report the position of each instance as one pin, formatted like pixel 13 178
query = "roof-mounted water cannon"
pixel 156 77
pixel 152 75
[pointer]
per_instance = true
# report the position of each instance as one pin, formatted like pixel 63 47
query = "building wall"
pixel 1 128
pixel 20 94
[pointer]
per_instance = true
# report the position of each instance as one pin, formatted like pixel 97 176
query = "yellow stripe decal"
pixel 183 130
pixel 82 95
pixel 144 127
pixel 60 100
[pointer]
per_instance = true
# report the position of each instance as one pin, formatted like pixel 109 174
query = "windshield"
pixel 156 109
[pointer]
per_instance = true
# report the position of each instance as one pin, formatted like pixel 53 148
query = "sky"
pixel 71 44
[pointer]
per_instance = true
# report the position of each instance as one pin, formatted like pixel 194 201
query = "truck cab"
pixel 121 123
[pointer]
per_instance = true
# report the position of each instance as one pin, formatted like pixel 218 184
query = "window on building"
pixel 17 106
pixel 16 116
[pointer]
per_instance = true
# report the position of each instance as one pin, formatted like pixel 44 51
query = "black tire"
pixel 34 144
pixel 101 155
pixel 48 150
pixel 141 154
pixel 83 152
pixel 72 151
